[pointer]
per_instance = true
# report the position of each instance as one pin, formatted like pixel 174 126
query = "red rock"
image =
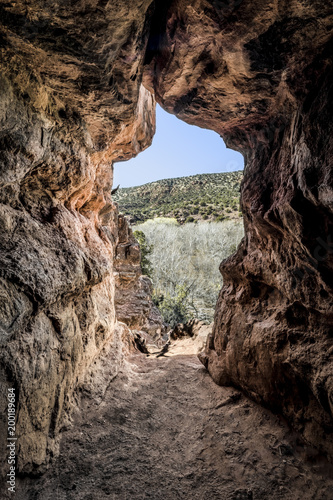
pixel 72 102
pixel 133 291
pixel 260 74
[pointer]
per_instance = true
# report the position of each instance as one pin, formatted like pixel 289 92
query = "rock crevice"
pixel 77 92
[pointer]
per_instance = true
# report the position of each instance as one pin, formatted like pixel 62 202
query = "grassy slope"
pixel 197 197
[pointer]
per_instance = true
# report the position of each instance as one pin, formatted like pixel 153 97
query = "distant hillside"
pixel 187 199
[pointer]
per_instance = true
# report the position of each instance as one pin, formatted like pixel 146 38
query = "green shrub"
pixel 173 309
pixel 146 250
pixel 190 219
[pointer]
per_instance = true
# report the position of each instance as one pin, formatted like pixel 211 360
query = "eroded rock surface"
pixel 260 74
pixel 133 302
pixel 76 93
pixel 71 101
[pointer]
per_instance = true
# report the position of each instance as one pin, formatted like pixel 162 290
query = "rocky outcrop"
pixel 76 94
pixel 133 291
pixel 260 74
pixel 71 101
pixel 192 328
pixel 189 338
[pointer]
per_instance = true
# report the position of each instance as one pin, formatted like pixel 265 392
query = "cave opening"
pixel 182 199
pixel 74 97
pixel 177 150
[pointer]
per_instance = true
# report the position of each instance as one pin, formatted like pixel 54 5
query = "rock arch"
pixel 78 86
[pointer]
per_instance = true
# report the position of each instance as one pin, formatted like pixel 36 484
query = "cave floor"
pixel 164 430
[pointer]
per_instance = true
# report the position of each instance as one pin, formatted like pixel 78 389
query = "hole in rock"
pixel 181 197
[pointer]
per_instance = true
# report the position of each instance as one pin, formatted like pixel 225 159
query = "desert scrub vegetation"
pixel 146 250
pixel 201 197
pixel 185 263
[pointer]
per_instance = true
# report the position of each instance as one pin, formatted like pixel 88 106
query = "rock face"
pixel 260 74
pixel 189 338
pixel 71 101
pixel 76 90
pixel 133 292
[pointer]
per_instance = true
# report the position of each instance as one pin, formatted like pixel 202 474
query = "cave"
pixel 78 86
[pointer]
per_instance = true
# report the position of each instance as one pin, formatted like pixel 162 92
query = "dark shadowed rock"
pixel 76 90
pixel 260 74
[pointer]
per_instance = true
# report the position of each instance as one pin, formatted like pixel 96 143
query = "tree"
pixel 146 266
pixel 174 309
pixel 185 263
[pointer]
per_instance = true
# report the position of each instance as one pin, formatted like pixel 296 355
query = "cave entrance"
pixel 181 197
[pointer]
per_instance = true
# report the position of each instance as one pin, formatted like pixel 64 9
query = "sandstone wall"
pixel 260 74
pixel 274 324
pixel 72 102
pixel 133 291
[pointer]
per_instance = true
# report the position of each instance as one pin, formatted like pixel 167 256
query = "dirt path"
pixel 164 430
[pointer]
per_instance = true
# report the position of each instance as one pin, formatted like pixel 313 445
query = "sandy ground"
pixel 164 430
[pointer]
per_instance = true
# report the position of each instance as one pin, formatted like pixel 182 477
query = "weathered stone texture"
pixel 260 74
pixel 74 97
pixel 71 102
pixel 133 291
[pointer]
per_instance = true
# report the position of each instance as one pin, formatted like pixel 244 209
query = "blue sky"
pixel 178 149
